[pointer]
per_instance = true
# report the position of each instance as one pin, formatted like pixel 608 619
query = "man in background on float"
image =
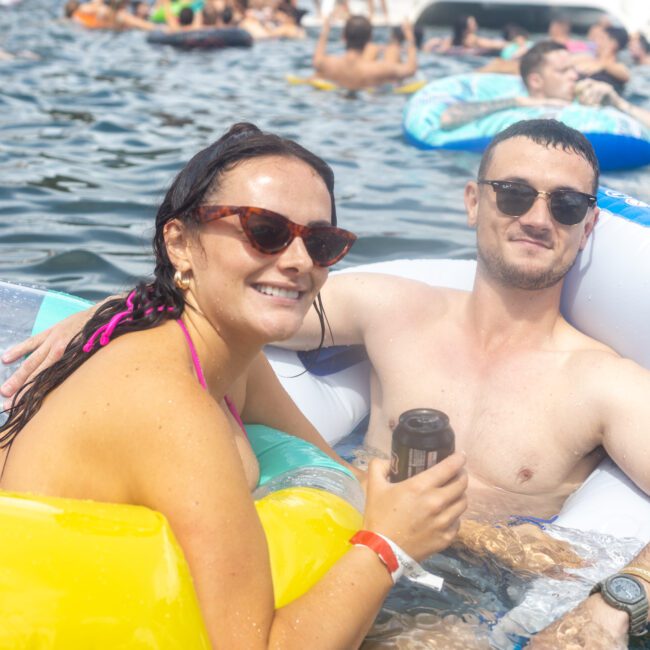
pixel 354 71
pixel 549 75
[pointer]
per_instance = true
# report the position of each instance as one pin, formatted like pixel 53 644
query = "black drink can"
pixel 421 439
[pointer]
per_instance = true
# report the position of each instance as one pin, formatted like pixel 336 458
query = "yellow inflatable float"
pixel 76 575
pixel 407 88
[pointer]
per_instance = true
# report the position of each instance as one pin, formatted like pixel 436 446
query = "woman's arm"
pixel 266 401
pixel 184 462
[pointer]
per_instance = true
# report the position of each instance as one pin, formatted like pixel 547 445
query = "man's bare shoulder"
pixel 387 290
pixel 386 303
pixel 598 364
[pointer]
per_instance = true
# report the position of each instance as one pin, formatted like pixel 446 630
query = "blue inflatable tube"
pixel 619 140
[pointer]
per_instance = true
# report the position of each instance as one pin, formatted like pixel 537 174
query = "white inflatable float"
pixel 606 295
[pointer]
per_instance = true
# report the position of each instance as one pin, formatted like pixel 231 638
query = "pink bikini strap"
pixel 195 357
pixel 235 413
pixel 199 373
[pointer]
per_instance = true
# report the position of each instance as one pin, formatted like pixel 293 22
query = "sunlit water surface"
pixel 94 125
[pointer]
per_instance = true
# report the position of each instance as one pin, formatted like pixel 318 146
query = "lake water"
pixel 93 126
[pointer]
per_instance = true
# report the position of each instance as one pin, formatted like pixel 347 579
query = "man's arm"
pixel 594 624
pixel 410 66
pixel 355 304
pixel 463 112
pixel 620 389
pixel 599 93
pixel 320 53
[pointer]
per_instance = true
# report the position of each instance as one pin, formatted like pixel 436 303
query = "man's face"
pixel 532 250
pixel 557 77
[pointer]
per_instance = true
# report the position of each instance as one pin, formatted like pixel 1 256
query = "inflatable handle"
pixel 278 453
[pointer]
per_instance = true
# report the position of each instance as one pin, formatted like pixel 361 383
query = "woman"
pixel 464 39
pixel 151 418
pixel 605 65
pixel 109 14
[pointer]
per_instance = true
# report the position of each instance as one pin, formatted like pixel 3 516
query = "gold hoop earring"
pixel 182 282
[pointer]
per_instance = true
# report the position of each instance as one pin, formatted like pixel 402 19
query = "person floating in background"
pixel 518 43
pixel 342 9
pixel 263 21
pixel 354 71
pixel 186 20
pixel 551 80
pixel 114 15
pixel 604 65
pixel 639 48
pixel 464 36
pixel 396 50
pixel 559 30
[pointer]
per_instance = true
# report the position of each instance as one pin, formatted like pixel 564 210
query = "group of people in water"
pixel 263 20
pixel 364 64
pixel 141 399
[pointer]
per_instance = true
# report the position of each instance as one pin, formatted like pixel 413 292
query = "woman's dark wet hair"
pixel 159 299
pixel 459 30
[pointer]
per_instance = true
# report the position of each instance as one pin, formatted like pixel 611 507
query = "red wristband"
pixel 379 545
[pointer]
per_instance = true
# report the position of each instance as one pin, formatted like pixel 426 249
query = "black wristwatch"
pixel 626 592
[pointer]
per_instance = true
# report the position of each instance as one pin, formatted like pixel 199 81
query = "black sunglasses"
pixel 568 207
pixel 270 232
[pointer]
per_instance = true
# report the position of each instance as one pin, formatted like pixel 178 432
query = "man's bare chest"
pixel 522 420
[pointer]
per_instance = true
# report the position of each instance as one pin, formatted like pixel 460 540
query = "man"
pixel 531 399
pixel 550 78
pixel 501 360
pixel 352 70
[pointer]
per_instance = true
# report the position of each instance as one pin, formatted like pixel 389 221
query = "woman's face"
pixel 242 291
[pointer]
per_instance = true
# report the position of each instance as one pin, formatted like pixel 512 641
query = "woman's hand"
pixel 422 513
pixel 43 350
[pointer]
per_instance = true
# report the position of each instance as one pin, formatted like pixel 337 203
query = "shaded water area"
pixel 94 125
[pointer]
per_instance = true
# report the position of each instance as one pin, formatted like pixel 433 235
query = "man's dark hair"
pixel 510 31
pixel 548 133
pixel 210 15
pixel 533 60
pixel 357 33
pixel 70 7
pixel 186 16
pixel 618 34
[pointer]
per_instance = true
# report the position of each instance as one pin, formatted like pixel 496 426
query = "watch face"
pixel 625 589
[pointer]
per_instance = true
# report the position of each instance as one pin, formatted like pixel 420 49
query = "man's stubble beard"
pixel 516 277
